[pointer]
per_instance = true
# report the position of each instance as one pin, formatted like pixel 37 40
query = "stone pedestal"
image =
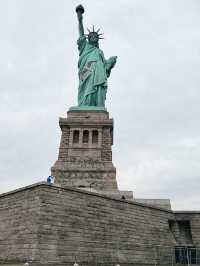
pixel 85 154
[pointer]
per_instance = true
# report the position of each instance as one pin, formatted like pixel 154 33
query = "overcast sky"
pixel 153 92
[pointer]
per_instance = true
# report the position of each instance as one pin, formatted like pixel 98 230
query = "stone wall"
pixel 19 220
pixel 161 203
pixel 52 225
pixel 96 229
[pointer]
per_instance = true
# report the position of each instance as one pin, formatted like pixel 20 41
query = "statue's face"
pixel 93 38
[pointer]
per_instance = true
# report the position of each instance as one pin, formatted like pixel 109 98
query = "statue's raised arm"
pixel 80 10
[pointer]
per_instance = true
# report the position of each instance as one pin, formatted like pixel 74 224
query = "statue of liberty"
pixel 94 69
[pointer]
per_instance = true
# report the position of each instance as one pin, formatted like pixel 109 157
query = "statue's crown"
pixel 90 32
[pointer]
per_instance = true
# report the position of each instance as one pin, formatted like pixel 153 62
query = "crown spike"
pixel 98 30
pixel 88 30
pixel 93 28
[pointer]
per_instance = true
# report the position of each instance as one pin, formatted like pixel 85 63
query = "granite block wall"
pixel 51 225
pixel 95 229
pixel 19 215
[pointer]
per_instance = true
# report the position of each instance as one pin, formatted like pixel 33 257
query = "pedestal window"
pixel 76 136
pixel 95 136
pixel 85 136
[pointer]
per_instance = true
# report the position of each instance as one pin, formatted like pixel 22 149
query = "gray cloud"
pixel 153 91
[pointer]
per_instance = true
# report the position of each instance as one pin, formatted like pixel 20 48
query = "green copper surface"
pixel 87 108
pixel 94 69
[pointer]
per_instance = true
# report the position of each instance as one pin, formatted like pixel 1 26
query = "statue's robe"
pixel 93 72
